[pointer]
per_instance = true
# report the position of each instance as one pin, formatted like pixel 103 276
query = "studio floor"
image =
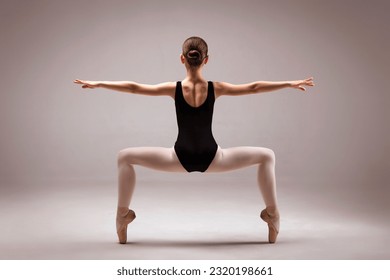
pixel 198 220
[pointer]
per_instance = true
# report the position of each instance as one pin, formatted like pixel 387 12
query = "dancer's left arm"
pixel 222 88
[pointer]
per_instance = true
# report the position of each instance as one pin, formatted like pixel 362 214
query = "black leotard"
pixel 195 145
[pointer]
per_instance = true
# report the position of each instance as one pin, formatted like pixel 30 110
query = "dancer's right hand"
pixel 300 83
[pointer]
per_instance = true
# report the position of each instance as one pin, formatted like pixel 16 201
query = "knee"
pixel 269 156
pixel 123 157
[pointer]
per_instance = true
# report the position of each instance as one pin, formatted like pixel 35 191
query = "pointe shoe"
pixel 121 225
pixel 272 222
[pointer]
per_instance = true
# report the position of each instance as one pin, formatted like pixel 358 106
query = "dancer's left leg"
pixel 163 159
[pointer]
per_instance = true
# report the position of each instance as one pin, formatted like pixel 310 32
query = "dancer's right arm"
pixel 161 89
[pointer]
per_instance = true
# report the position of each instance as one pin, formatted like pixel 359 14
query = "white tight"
pixel 165 159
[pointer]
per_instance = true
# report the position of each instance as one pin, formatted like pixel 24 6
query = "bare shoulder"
pixel 224 88
pixel 219 88
pixel 166 88
pixel 167 85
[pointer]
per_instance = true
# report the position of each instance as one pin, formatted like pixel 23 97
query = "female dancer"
pixel 195 148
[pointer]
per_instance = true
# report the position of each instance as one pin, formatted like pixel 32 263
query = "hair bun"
pixel 194 54
pixel 195 50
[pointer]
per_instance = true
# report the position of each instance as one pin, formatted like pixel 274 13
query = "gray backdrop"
pixel 332 141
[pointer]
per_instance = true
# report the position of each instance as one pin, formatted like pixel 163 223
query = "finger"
pixel 309 79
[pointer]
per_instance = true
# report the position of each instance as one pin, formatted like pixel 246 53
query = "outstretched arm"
pixel 167 88
pixel 222 88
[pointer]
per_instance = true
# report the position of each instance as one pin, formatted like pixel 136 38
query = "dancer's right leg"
pixel 239 157
pixel 163 159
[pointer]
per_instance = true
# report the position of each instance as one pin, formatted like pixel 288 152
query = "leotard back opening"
pixel 195 145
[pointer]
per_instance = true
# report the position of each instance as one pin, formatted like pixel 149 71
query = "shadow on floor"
pixel 190 243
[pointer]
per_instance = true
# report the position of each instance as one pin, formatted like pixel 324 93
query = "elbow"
pixel 131 87
pixel 254 88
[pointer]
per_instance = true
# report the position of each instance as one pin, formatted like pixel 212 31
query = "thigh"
pixel 158 158
pixel 239 157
